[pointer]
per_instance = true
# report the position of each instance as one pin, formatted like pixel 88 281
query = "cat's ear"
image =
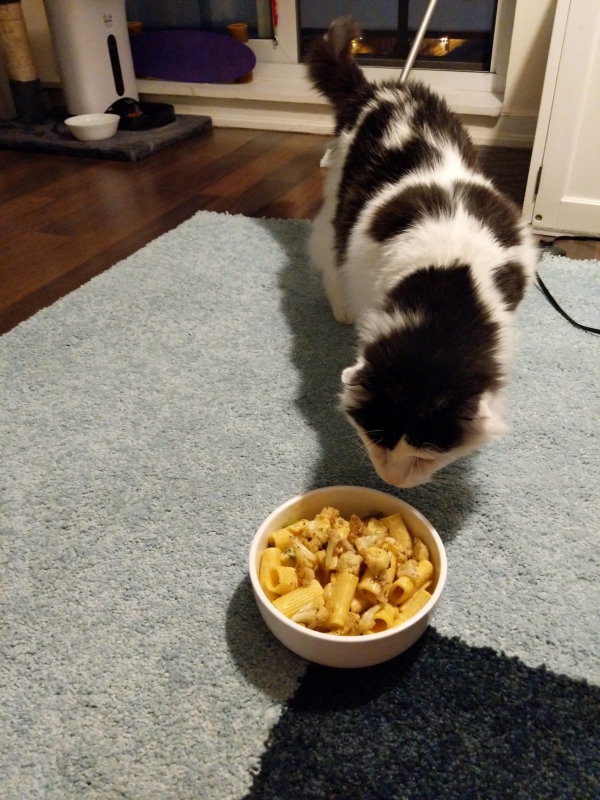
pixel 353 393
pixel 351 375
pixel 488 419
pixel 483 411
pixel 477 409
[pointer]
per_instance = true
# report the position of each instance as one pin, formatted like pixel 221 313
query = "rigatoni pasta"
pixel 347 577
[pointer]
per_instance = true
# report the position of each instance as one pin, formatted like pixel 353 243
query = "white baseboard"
pixel 277 99
pixel 253 114
pixel 269 106
pixel 503 131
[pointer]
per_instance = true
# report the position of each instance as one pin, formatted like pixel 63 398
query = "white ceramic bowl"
pixel 93 127
pixel 347 651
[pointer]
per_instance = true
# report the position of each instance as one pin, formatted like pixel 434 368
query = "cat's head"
pixel 421 397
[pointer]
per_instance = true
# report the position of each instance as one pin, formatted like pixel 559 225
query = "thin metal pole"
pixel 416 45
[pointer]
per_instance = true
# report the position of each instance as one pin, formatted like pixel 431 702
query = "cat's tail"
pixel 331 67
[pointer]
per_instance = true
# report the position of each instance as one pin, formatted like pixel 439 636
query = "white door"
pixel 563 191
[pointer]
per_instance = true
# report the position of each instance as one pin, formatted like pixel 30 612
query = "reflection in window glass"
pixel 206 15
pixel 460 35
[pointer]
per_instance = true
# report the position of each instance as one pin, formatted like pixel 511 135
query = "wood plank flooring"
pixel 65 219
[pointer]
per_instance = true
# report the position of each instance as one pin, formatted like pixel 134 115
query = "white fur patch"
pixel 397 133
pixel 376 324
pixel 388 94
pixel 353 393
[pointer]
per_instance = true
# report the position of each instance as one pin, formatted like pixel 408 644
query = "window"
pixel 469 69
pixel 206 15
pixel 460 35
pixel 485 72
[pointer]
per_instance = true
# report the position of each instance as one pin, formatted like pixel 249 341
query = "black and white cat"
pixel 421 251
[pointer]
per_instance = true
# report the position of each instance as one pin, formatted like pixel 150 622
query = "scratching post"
pixel 24 83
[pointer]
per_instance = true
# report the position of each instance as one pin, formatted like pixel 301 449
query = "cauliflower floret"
pixel 304 557
pixel 313 614
pixel 333 549
pixel 357 527
pixel 420 551
pixel 409 569
pixel 321 555
pixel 327 595
pixel 392 545
pixel 329 513
pixel 378 561
pixel 299 528
pixel 316 542
pixel 367 620
pixel 305 576
pixel 318 536
pixel 349 561
pixel 362 543
pixel 317 532
pixel 377 528
pixel 342 526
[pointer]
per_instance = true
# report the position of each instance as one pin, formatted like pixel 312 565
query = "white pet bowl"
pixel 93 127
pixel 347 651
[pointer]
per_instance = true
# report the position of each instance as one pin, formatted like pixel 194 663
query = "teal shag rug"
pixel 151 420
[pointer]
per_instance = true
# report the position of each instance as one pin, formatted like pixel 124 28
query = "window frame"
pixel 284 49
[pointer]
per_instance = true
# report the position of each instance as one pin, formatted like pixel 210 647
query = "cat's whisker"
pixel 353 435
pixel 443 481
pixel 437 460
pixel 412 466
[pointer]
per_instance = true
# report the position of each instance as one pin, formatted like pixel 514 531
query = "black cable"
pixel 553 303
pixel 547 245
pixel 575 237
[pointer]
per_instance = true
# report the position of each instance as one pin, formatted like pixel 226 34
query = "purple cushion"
pixel 194 56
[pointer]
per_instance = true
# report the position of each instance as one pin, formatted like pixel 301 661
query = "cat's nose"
pixel 406 474
pixel 398 475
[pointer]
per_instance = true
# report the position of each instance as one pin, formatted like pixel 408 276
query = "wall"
pixel 528 55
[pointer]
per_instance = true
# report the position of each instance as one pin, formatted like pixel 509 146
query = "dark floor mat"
pixel 52 136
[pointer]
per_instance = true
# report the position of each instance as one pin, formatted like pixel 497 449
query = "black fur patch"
pixel 424 381
pixel 431 113
pixel 414 204
pixel 510 280
pixel 492 209
pixel 431 201
pixel 369 167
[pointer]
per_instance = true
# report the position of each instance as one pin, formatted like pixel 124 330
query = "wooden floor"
pixel 64 219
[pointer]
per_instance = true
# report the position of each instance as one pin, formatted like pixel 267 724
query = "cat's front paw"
pixel 342 314
pixel 337 299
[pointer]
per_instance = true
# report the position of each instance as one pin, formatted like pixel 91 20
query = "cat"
pixel 420 250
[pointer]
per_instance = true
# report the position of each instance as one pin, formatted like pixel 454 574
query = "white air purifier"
pixel 92 48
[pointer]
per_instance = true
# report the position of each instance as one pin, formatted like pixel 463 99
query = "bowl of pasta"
pixel 347 576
